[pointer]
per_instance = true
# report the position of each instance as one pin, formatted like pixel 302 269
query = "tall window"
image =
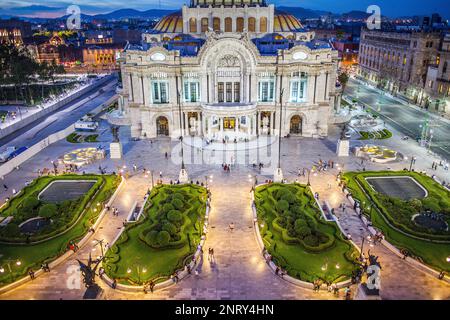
pixel 239 24
pixel 266 88
pixel 229 92
pixel 228 25
pixel 216 24
pixel 204 24
pixel 191 91
pixel 263 24
pixel 220 90
pixel 298 88
pixel 193 25
pixel 251 24
pixel 160 91
pixel 237 92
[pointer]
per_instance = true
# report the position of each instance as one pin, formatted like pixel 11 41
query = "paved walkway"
pixel 239 272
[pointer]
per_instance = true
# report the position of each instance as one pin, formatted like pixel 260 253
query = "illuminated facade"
pixel 229 66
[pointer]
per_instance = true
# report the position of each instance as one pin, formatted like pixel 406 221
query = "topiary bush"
pixel 163 238
pixel 48 210
pixel 282 206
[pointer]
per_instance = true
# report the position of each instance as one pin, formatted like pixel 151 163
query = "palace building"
pixel 225 68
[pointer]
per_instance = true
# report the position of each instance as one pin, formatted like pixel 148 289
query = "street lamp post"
pixel 278 176
pixel 413 161
pixel 183 177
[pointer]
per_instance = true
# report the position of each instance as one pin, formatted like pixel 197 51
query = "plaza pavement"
pixel 239 272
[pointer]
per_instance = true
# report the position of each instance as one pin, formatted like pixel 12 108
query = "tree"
pixel 343 79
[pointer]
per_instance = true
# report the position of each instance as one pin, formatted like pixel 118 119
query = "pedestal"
pixel 278 175
pixel 363 293
pixel 343 148
pixel 183 177
pixel 115 149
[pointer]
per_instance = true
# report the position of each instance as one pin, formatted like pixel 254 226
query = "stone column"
pixel 221 125
pixel 209 126
pixel 186 124
pixel 236 124
pixel 271 124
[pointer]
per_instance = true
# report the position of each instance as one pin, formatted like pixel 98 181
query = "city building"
pixel 14 31
pixel 438 79
pixel 222 70
pixel 398 61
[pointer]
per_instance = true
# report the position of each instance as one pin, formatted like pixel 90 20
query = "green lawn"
pixel 377 135
pixel 77 138
pixel 32 256
pixel 142 253
pixel 299 239
pixel 393 213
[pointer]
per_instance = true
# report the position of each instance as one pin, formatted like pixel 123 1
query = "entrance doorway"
pixel 229 123
pixel 162 126
pixel 296 125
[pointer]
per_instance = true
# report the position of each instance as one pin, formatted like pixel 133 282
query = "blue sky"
pixel 388 7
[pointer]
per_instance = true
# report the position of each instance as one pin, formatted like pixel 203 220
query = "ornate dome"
pixel 285 22
pixel 227 3
pixel 173 23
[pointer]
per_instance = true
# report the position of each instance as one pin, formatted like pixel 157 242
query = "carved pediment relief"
pixel 229 61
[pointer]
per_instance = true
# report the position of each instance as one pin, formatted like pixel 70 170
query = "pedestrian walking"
pixel 231 227
pixel 31 274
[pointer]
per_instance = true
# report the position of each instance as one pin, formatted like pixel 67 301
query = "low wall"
pixel 26 121
pixel 34 149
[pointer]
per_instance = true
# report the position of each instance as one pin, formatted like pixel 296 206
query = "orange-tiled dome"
pixel 173 23
pixel 284 22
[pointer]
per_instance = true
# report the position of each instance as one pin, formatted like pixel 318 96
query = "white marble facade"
pixel 228 90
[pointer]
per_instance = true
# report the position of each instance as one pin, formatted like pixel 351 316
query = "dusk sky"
pixel 388 7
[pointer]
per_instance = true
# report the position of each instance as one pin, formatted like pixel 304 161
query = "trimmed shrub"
pixel 170 228
pixel 48 210
pixel 163 238
pixel 177 203
pixel 167 207
pixel 282 205
pixel 174 216
pixel 30 203
pixel 151 238
pixel 303 231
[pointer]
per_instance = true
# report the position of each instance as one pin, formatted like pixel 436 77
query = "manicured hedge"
pixel 33 255
pixel 302 254
pixel 431 253
pixel 139 247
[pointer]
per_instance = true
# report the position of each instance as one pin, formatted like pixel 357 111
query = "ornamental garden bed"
pixel 299 239
pixel 377 135
pixel 41 228
pixel 163 239
pixel 411 209
pixel 79 138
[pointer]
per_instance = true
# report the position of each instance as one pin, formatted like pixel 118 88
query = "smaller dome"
pixel 285 22
pixel 173 23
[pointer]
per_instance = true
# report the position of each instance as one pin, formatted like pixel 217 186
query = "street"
pixel 402 117
pixel 59 119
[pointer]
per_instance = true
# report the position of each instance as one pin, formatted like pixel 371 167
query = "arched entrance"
pixel 296 125
pixel 162 126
